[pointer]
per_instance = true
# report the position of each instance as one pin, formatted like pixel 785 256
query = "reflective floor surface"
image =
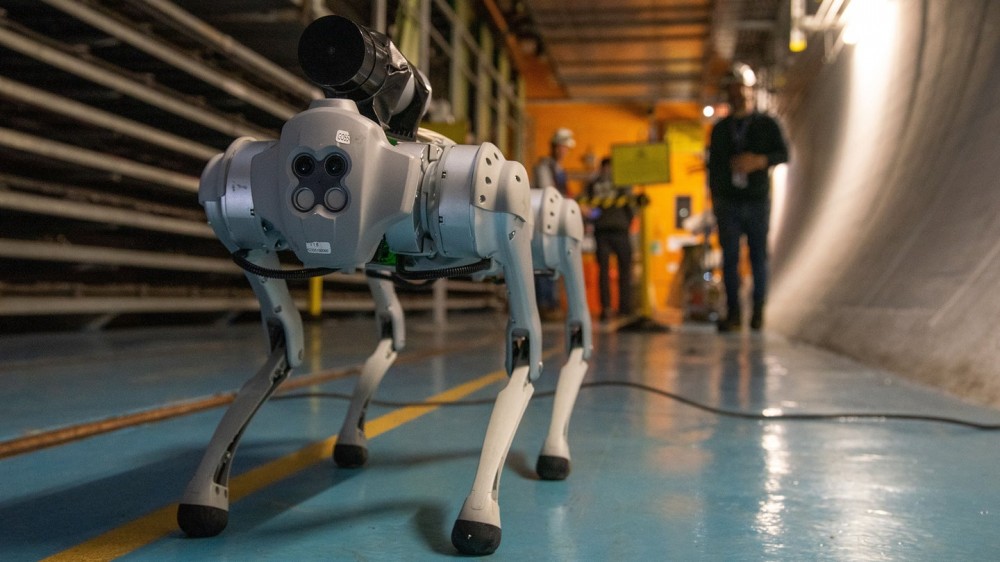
pixel 652 478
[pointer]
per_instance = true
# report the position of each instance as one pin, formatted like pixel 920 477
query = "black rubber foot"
pixel 552 468
pixel 201 520
pixel 473 537
pixel 350 456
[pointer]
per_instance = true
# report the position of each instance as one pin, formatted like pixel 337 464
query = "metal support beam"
pixel 645 78
pixel 34 306
pixel 96 160
pixel 503 105
pixel 458 78
pixel 176 103
pixel 484 85
pixel 425 36
pixel 78 210
pixel 521 141
pixel 87 114
pixel 75 253
pixel 379 15
pixel 172 56
pixel 59 190
pixel 616 21
pixel 232 48
pixel 570 38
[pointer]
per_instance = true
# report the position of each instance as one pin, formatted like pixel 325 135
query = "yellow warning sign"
pixel 641 163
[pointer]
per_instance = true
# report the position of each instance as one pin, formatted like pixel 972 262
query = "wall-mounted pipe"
pixel 88 114
pixel 76 253
pixel 172 56
pixel 77 210
pixel 175 103
pixel 96 160
pixel 233 48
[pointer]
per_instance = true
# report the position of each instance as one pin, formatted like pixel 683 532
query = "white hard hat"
pixel 742 74
pixel 563 137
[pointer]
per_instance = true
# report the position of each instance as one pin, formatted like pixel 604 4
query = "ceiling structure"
pixel 645 51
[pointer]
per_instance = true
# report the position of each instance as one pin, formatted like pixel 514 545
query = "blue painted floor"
pixel 652 479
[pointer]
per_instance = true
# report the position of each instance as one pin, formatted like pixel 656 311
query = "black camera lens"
pixel 303 165
pixel 336 53
pixel 336 164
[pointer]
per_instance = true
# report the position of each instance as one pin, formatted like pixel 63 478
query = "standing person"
pixel 549 172
pixel 743 147
pixel 612 215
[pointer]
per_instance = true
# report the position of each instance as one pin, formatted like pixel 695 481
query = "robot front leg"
pixel 351 450
pixel 557 246
pixel 477 529
pixel 554 460
pixel 204 508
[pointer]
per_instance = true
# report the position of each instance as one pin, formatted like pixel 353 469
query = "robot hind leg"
pixel 351 450
pixel 557 246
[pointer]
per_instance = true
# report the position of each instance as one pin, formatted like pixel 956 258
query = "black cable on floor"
pixel 842 417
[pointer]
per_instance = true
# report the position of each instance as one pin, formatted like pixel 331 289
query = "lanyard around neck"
pixel 738 129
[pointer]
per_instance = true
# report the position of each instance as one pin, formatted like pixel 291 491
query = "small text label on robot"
pixel 318 247
pixel 343 137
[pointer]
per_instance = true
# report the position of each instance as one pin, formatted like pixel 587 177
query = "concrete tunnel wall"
pixel 886 237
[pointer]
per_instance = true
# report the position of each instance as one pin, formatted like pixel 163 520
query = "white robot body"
pixel 337 193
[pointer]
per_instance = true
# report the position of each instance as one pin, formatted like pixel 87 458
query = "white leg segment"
pixel 204 508
pixel 556 247
pixel 570 377
pixel 351 449
pixel 477 530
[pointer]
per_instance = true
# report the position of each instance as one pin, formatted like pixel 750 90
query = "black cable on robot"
pixel 240 259
pixel 458 271
pixel 424 285
pixel 754 416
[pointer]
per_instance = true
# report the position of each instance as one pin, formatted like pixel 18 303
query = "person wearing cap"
pixel 744 146
pixel 549 172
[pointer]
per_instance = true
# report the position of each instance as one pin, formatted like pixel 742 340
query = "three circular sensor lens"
pixel 317 187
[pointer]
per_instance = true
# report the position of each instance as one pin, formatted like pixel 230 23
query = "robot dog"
pixel 339 194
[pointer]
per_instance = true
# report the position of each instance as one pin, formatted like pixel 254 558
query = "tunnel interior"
pixel 886 237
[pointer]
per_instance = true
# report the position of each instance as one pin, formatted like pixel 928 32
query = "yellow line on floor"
pixel 158 524
pixel 75 432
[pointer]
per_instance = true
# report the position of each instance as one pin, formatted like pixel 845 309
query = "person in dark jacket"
pixel 744 146
pixel 611 212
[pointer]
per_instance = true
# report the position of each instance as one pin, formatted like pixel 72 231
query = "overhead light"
pixel 708 111
pixel 866 20
pixel 797 37
pixel 797 40
pixel 856 26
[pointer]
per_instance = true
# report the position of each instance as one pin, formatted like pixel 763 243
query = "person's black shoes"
pixel 731 323
pixel 757 320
